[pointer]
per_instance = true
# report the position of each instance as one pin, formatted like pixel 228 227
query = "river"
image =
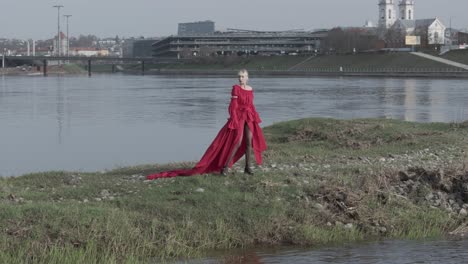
pixel 76 123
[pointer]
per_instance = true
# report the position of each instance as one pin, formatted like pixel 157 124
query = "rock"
pixel 341 197
pixel 403 176
pixel 105 193
pixel 382 197
pixel 338 223
pixel 463 212
pixel 348 226
pixel 382 159
pixel 329 224
pixel 97 199
pixel 200 190
pixel 465 206
pixel 429 197
pixel 273 165
pixel 318 206
pixel 12 197
pixel 382 229
pixel 85 200
pixel 138 176
pixel 446 187
pixel 72 180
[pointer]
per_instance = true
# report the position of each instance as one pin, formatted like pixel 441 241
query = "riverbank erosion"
pixel 324 181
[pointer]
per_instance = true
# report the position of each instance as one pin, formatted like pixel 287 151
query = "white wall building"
pixel 431 30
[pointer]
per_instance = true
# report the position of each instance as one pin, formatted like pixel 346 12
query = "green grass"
pixel 351 62
pixel 328 63
pixel 54 218
pixel 460 56
pixel 375 62
pixel 234 63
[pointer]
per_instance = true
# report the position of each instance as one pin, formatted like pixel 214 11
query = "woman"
pixel 239 136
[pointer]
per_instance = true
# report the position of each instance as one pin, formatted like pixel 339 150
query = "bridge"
pixel 141 60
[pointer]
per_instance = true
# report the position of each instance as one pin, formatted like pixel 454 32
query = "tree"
pixel 349 40
pixel 394 38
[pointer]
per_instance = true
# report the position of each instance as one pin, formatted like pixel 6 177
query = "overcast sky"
pixel 37 19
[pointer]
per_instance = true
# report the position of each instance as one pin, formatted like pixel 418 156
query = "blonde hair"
pixel 243 71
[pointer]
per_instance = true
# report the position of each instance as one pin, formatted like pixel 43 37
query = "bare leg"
pixel 236 147
pixel 248 150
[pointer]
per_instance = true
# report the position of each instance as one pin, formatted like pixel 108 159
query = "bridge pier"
pixel 44 67
pixel 143 67
pixel 89 68
pixel 113 68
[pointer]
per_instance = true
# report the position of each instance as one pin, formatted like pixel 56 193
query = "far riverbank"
pixel 362 64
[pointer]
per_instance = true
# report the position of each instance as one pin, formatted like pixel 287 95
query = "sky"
pixel 37 19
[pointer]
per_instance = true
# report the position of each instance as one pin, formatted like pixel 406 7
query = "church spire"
pixel 387 13
pixel 406 8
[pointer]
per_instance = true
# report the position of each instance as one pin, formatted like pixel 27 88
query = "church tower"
pixel 406 9
pixel 387 13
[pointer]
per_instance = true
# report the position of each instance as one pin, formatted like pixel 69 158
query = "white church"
pixel 432 31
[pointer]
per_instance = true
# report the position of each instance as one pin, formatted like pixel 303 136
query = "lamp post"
pixel 450 35
pixel 68 36
pixel 3 58
pixel 58 28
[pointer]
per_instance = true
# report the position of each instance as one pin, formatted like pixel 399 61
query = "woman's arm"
pixel 233 109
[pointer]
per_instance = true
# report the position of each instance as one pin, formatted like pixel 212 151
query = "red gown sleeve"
pixel 233 119
pixel 257 116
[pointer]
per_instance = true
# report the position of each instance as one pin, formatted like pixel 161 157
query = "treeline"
pixel 349 40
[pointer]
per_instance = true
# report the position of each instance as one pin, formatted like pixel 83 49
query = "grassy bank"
pixel 324 181
pixel 460 56
pixel 351 62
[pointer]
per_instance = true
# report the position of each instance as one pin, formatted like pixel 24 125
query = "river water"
pixel 385 252
pixel 108 121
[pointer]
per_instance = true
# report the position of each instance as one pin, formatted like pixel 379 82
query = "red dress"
pixel 242 111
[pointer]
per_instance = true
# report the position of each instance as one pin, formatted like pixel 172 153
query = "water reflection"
pixel 80 123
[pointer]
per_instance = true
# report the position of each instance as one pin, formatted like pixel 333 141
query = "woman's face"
pixel 243 77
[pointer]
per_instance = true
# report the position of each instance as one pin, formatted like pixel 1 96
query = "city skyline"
pixel 152 19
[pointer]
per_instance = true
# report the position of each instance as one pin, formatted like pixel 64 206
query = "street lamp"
pixel 68 36
pixel 58 28
pixel 3 58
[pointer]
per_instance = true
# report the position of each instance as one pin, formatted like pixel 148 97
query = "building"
pixel 387 14
pixel 201 27
pixel 127 47
pixel 404 23
pixel 432 31
pixel 455 37
pixel 89 52
pixel 143 47
pixel 239 42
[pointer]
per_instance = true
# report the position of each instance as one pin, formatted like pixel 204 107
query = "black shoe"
pixel 224 171
pixel 248 170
